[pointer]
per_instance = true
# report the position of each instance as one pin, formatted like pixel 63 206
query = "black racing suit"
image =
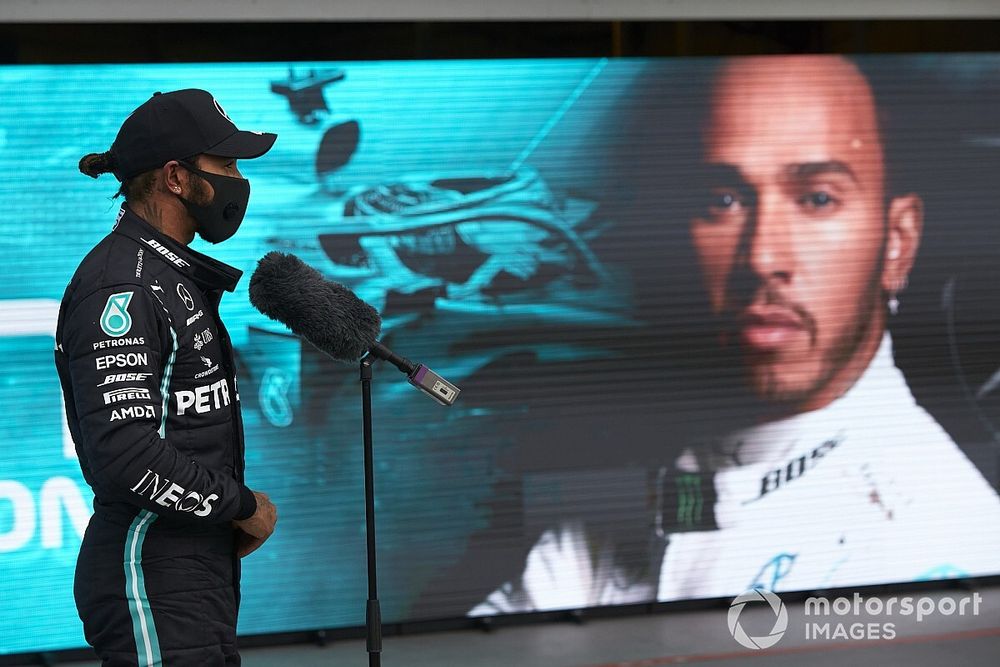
pixel 149 381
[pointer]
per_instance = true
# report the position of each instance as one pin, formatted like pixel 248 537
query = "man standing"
pixel 838 477
pixel 148 376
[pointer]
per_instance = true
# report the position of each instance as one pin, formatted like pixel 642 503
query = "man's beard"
pixel 768 382
pixel 771 388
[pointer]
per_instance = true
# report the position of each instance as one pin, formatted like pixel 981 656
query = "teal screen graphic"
pixel 525 229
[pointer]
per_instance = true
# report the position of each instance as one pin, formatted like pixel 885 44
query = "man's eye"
pixel 721 203
pixel 817 200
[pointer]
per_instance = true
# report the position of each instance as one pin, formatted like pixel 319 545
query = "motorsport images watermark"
pixel 825 618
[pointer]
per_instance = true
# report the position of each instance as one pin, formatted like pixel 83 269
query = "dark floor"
pixel 701 637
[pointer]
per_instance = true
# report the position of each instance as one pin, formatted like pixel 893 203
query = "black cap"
pixel 179 125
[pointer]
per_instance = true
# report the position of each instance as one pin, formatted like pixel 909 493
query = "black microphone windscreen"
pixel 327 314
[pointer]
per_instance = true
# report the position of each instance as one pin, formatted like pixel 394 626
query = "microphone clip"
pixel 420 376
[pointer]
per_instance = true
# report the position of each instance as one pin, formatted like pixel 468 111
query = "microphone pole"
pixel 443 392
pixel 373 615
pixel 276 275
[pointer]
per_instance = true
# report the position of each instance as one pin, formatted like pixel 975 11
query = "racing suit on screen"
pixel 869 489
pixel 148 377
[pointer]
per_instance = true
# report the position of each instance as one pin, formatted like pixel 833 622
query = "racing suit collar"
pixel 207 273
pixel 758 463
pixel 774 442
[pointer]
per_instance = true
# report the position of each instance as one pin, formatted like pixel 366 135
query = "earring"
pixel 893 302
pixel 177 189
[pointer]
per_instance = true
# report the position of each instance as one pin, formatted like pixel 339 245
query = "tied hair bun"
pixel 95 164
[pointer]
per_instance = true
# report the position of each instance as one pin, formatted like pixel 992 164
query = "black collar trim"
pixel 207 273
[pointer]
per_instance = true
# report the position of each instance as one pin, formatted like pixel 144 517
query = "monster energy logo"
pixel 115 320
pixel 689 499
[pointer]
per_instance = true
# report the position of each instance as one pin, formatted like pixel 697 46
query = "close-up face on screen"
pixel 792 238
pixel 718 323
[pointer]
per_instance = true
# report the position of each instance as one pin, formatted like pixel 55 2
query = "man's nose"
pixel 770 244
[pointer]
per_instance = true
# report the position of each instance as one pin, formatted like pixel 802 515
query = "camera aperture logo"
pixel 780 619
pixel 857 617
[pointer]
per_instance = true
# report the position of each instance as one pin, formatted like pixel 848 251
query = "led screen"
pixel 718 324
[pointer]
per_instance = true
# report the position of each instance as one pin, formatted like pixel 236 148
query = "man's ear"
pixel 174 177
pixel 905 222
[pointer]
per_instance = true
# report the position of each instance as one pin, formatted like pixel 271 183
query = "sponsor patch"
pixel 211 368
pixel 203 399
pixel 198 376
pixel 796 468
pixel 125 377
pixel 185 296
pixel 168 494
pixel 118 342
pixel 126 394
pixel 133 412
pixel 115 320
pixel 201 339
pixel 218 107
pixel 121 360
pixel 194 318
pixel 166 253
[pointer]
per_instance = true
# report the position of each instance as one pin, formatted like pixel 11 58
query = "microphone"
pixel 332 318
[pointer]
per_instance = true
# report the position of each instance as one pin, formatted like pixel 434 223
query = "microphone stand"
pixel 373 615
pixel 441 391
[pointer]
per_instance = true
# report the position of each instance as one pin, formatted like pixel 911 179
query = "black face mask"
pixel 220 218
